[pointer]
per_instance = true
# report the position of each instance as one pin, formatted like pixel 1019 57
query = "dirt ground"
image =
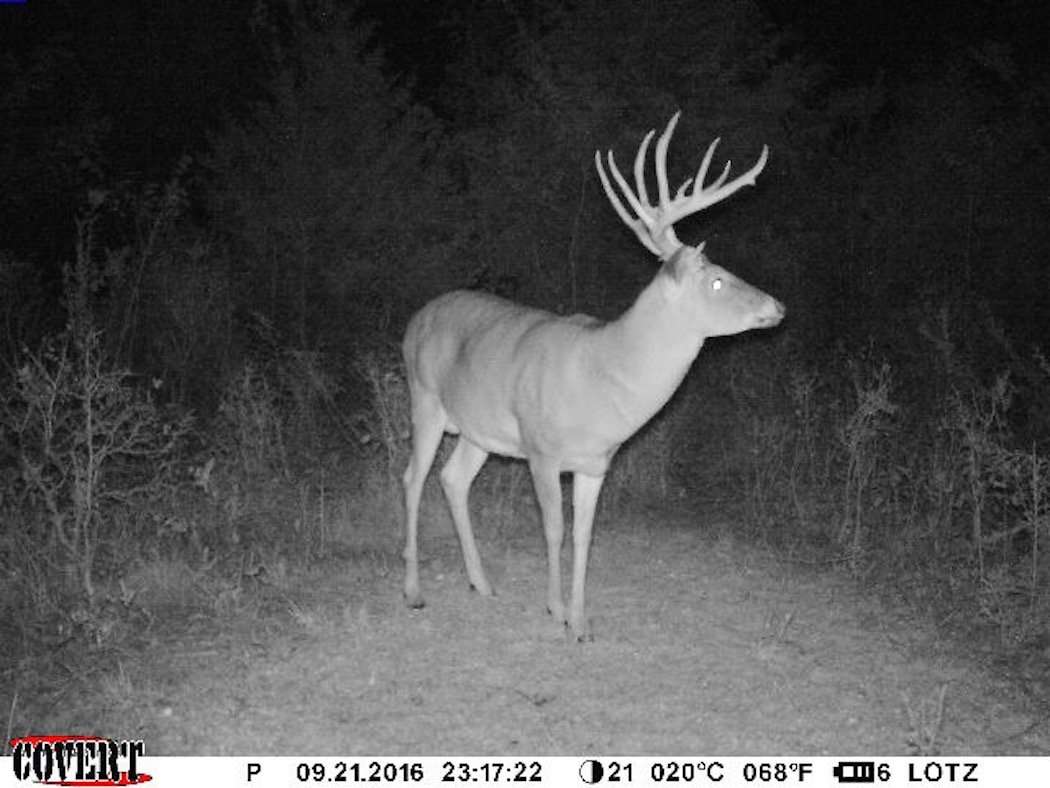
pixel 702 646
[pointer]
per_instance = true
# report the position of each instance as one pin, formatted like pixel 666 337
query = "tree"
pixel 333 196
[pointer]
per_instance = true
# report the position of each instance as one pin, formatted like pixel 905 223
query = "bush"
pixel 88 442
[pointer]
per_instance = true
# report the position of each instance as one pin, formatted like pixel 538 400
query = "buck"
pixel 564 393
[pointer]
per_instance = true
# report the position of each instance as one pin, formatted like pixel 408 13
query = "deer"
pixel 563 393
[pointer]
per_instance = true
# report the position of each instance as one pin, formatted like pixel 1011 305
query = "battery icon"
pixel 855 771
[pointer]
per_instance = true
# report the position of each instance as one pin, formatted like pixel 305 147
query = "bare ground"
pixel 702 645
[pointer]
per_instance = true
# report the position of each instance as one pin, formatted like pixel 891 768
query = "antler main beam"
pixel 654 224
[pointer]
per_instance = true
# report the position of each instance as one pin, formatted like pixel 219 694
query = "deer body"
pixel 571 388
pixel 564 393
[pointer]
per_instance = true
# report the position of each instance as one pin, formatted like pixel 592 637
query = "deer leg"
pixel 585 491
pixel 456 477
pixel 428 425
pixel 545 478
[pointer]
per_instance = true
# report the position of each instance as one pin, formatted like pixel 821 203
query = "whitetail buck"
pixel 564 393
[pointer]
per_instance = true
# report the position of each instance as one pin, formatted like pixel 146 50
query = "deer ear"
pixel 684 261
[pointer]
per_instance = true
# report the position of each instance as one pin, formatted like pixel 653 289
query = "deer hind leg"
pixel 545 478
pixel 456 477
pixel 428 425
pixel 585 491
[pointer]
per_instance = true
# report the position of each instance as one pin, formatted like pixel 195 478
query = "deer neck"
pixel 647 353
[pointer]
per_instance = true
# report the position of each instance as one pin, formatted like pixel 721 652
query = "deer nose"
pixel 771 314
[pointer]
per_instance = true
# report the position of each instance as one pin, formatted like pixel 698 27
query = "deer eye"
pixel 716 283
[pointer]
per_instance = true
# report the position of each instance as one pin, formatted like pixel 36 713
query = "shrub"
pixel 88 441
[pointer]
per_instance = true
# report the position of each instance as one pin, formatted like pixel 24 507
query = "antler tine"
pixel 661 160
pixel 640 225
pixel 723 176
pixel 639 171
pixel 701 174
pixel 720 192
pixel 609 191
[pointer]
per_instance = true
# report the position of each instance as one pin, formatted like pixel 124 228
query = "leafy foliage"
pixel 86 442
pixel 331 195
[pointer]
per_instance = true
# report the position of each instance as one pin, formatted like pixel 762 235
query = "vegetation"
pixel 205 373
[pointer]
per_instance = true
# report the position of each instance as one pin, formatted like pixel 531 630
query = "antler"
pixel 654 224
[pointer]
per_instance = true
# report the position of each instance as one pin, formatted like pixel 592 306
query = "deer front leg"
pixel 545 477
pixel 585 491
